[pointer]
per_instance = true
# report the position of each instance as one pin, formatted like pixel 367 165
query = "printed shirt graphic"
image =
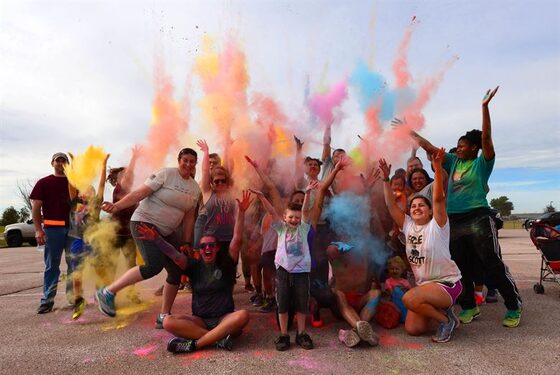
pixel 293 249
pixel 173 196
pixel 468 183
pixel 427 250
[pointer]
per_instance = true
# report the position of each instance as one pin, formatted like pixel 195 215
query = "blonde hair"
pixel 220 171
pixel 396 261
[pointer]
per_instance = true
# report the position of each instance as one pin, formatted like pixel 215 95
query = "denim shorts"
pixel 292 289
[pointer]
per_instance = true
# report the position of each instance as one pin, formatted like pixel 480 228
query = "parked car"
pixel 18 233
pixel 550 218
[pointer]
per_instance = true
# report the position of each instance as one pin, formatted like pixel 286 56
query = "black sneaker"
pixel 269 305
pixel 226 343
pixel 492 296
pixel 45 308
pixel 303 340
pixel 181 345
pixel 282 343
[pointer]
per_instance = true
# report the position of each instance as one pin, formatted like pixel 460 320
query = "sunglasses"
pixel 220 181
pixel 208 245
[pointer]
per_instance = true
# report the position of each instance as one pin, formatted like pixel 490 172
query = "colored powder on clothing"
pixel 85 167
pixel 323 105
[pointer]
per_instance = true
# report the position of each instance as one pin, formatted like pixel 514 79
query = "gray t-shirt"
pixel 173 196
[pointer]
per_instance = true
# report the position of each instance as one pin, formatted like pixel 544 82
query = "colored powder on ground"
pixel 145 351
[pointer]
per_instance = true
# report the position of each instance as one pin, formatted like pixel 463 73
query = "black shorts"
pixel 211 323
pixel 267 259
pixel 292 289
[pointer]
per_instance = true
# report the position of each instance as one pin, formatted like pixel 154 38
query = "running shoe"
pixel 159 320
pixel 269 305
pixel 257 300
pixel 492 296
pixel 106 301
pixel 45 308
pixel 349 337
pixel 444 331
pixel 467 316
pixel 226 343
pixel 512 318
pixel 365 331
pixel 180 345
pixel 303 340
pixel 79 308
pixel 282 343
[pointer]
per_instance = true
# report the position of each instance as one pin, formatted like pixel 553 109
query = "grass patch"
pixel 513 224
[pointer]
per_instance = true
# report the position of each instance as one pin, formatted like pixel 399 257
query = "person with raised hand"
pixel 474 237
pixel 214 320
pixel 438 278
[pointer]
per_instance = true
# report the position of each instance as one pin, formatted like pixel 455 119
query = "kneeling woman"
pixel 212 276
pixel 427 249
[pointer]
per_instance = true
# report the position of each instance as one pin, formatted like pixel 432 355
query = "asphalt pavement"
pixel 55 344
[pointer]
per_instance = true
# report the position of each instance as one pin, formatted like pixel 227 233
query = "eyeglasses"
pixel 208 245
pixel 220 181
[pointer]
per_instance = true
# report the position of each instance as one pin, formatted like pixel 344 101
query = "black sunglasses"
pixel 220 181
pixel 208 245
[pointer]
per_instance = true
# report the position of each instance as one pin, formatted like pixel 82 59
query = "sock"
pixel 107 292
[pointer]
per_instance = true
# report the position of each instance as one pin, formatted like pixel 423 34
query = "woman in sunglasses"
pixel 218 207
pixel 214 320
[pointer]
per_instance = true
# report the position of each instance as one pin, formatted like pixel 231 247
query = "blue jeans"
pixel 57 240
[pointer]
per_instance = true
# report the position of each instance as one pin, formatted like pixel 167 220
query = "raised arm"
pixel 394 210
pixel 149 234
pixel 487 144
pixel 324 188
pixel 267 205
pixel 299 177
pixel 72 189
pixel 102 178
pixel 305 209
pixel 268 183
pixel 242 206
pixel 128 174
pixel 205 179
pixel 423 142
pixel 438 197
pixel 326 143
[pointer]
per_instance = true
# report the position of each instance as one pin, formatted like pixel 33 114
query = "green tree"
pixel 503 205
pixel 9 216
pixel 24 214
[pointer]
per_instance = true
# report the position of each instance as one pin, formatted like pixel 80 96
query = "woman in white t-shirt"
pixel 427 249
pixel 168 199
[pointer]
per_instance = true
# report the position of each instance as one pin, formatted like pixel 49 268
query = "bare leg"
pixel 428 301
pixel 283 319
pixel 169 294
pixel 231 324
pixel 300 319
pixel 189 327
pixel 416 324
pixel 132 276
pixel 347 311
pixel 370 306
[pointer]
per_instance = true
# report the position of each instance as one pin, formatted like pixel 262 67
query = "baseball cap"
pixel 59 155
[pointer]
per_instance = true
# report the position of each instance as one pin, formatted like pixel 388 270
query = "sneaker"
pixel 451 316
pixel 79 308
pixel 492 296
pixel 188 287
pixel 257 299
pixel 467 316
pixel 512 318
pixel 269 305
pixel 106 301
pixel 181 345
pixel 282 343
pixel 303 340
pixel 444 331
pixel 226 343
pixel 315 312
pixel 182 286
pixel 159 320
pixel 350 337
pixel 365 331
pixel 45 308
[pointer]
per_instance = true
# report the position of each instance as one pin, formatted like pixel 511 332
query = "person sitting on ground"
pixel 427 247
pixel 396 285
pixel 214 320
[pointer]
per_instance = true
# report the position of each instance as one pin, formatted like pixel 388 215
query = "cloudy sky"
pixel 75 73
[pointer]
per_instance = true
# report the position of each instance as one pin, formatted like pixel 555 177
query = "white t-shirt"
pixel 427 250
pixel 293 248
pixel 173 196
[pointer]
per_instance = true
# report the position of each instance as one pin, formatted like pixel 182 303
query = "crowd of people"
pixel 435 237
